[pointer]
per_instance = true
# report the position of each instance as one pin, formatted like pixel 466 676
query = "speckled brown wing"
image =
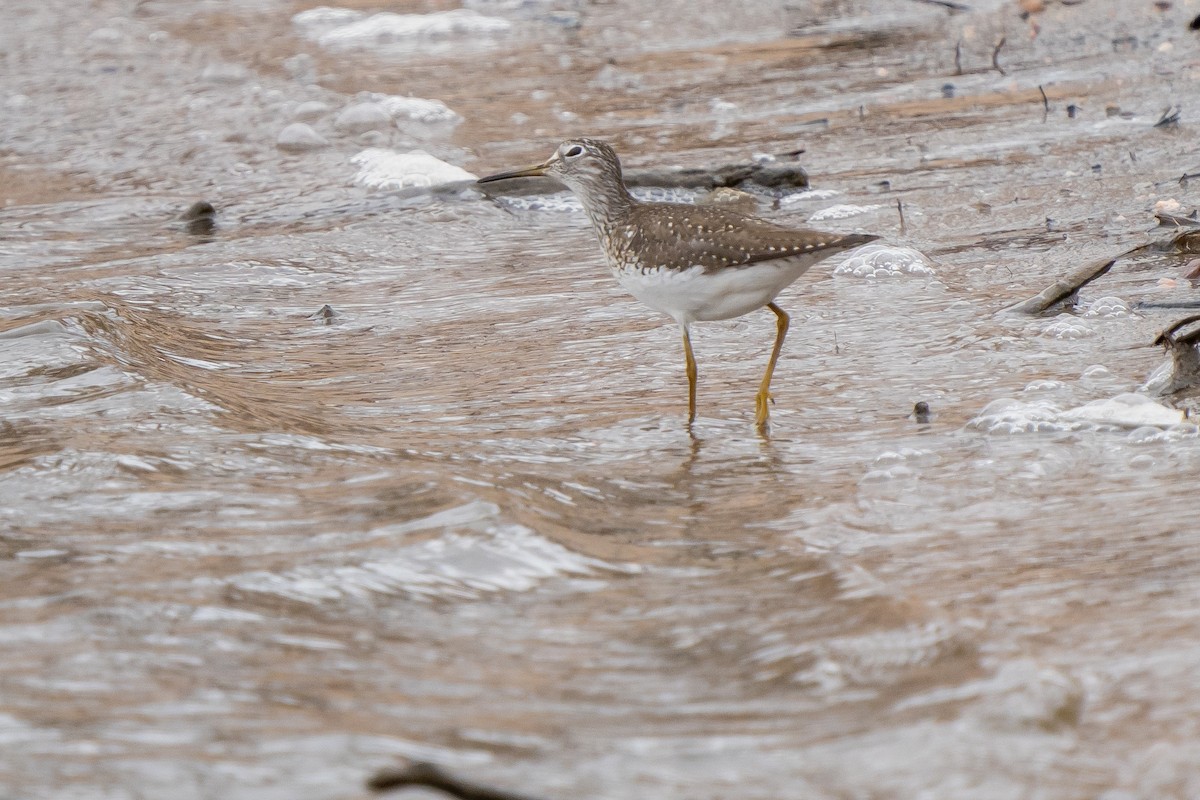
pixel 680 236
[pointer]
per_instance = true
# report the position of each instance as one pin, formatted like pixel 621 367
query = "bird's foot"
pixel 762 410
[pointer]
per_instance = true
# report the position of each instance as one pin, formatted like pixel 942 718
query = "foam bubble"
pixel 1066 329
pixel 1008 415
pixel 1107 307
pixel 418 109
pixel 795 198
pixel 884 261
pixel 841 211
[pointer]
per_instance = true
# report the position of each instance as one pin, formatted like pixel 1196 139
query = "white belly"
pixel 693 295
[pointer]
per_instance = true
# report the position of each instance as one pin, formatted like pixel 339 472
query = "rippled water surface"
pixel 251 550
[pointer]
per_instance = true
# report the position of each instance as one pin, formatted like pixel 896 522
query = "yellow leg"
pixel 691 375
pixel 761 412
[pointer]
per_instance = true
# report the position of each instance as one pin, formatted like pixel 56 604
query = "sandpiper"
pixel 695 263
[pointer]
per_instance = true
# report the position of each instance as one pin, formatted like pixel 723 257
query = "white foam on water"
pixel 884 261
pixel 360 117
pixel 1107 307
pixel 1066 328
pixel 1161 380
pixel 808 194
pixel 337 29
pixel 1009 415
pixel 842 211
pixel 379 168
pixel 1127 411
pixel 323 18
pixel 418 109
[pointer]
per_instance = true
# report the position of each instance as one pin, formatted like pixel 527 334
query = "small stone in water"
pixel 325 313
pixel 200 218
pixel 198 209
pixel 298 137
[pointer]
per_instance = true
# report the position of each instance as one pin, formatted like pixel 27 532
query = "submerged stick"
pixel 1170 117
pixel 900 210
pixel 945 4
pixel 1185 359
pixel 1064 289
pixel 434 777
pixel 1168 337
pixel 1186 242
pixel 996 55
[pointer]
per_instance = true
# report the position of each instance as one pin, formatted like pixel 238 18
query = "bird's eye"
pixel 574 151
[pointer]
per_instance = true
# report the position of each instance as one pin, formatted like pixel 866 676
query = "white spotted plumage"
pixel 694 263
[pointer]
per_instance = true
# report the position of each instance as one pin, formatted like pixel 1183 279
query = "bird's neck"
pixel 608 207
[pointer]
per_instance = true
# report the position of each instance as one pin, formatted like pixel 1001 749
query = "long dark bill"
pixel 528 172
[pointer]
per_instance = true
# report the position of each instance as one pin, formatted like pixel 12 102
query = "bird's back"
pixel 677 236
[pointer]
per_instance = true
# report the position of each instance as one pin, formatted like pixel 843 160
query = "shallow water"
pixel 248 551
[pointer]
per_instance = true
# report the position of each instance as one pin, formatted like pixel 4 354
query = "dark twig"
pixel 433 777
pixel 945 4
pixel 1045 103
pixel 1187 241
pixel 1191 221
pixel 1172 304
pixel 1187 176
pixel 1170 116
pixel 1167 337
pixel 996 55
pixel 1185 367
pixel 900 210
pixel 958 59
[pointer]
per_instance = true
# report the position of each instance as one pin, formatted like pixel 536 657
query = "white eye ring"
pixel 573 152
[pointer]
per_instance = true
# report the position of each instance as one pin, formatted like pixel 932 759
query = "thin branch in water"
pixel 1170 116
pixel 945 4
pixel 1045 103
pixel 958 59
pixel 1064 290
pixel 996 55
pixel 900 210
pixel 434 777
